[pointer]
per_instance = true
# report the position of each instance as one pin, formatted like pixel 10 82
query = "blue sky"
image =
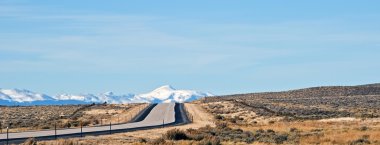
pixel 220 46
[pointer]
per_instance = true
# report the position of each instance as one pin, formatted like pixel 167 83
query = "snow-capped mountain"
pixel 17 95
pixel 168 94
pixel 162 94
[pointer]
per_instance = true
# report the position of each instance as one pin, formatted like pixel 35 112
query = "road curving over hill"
pixel 154 116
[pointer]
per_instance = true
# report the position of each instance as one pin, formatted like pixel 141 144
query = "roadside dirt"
pixel 201 118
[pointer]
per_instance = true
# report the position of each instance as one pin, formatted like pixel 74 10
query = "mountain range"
pixel 162 94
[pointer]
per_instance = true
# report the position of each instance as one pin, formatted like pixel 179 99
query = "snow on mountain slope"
pixel 17 95
pixel 4 97
pixel 162 94
pixel 169 94
pixel 85 98
pixel 108 97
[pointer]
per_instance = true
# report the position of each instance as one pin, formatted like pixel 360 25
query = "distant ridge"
pixel 163 94
pixel 371 85
pixel 322 91
pixel 362 101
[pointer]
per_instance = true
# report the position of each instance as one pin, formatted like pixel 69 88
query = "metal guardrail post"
pixel 110 126
pixel 81 129
pixel 55 130
pixel 7 136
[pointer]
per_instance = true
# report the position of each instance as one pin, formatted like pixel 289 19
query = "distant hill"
pixel 361 101
pixel 368 89
pixel 371 85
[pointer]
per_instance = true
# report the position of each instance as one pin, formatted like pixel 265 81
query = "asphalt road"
pixel 161 115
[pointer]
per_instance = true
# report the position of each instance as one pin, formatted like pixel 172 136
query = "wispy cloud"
pixel 112 42
pixel 132 42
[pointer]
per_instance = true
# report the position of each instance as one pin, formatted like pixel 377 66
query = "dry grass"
pixel 25 118
pixel 319 115
pixel 117 114
pixel 231 112
pixel 311 103
pixel 325 131
pixel 338 132
pixel 44 117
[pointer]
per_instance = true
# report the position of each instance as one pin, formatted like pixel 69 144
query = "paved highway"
pixel 161 114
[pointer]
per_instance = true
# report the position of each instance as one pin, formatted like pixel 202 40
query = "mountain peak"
pixel 165 88
pixel 108 93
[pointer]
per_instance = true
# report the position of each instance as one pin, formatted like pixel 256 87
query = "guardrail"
pixel 130 117
pixel 140 115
